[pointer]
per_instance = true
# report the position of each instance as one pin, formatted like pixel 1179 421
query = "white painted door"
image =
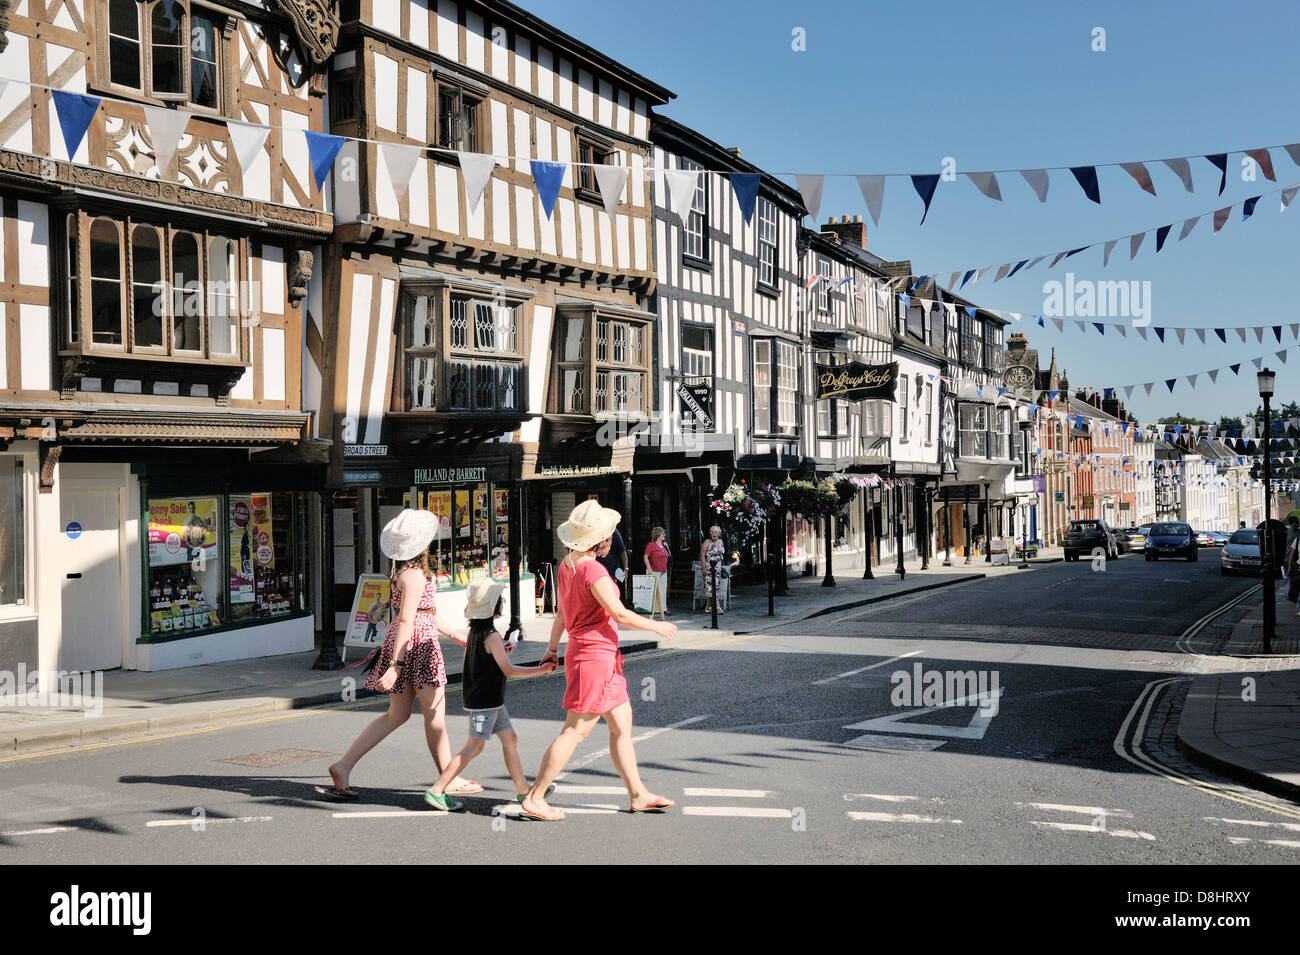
pixel 89 560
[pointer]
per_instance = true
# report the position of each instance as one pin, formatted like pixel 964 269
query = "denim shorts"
pixel 483 723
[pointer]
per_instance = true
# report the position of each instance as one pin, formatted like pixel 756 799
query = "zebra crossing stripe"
pixel 1081 827
pixel 899 817
pixel 748 811
pixel 729 793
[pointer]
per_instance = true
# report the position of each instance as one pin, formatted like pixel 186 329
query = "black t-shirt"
pixel 614 559
pixel 483 685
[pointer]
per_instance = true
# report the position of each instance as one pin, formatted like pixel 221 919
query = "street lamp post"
pixel 1266 378
pixel 868 524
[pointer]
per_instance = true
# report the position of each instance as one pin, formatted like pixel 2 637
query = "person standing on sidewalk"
pixel 590 610
pixel 712 553
pixel 409 664
pixel 484 693
pixel 656 559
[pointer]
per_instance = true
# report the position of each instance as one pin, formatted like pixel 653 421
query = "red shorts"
pixel 594 682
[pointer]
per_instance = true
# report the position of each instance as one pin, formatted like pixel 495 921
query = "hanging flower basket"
pixel 742 514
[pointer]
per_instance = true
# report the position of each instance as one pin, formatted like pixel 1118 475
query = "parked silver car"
pixel 1241 553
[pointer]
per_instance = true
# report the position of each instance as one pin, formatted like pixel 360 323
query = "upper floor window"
pixel 343 96
pixel 590 155
pixel 929 413
pixel 458 126
pixel 776 384
pixel 824 286
pixel 697 351
pixel 972 342
pixel 695 237
pixel 613 380
pixel 904 409
pixel 166 49
pixel 877 419
pixel 767 256
pixel 155 290
pixel 462 353
pixel 13 531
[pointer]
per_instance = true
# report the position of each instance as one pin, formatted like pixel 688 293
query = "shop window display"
pixel 473 537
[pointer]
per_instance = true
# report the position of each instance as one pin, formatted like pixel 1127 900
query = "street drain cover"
pixel 276 757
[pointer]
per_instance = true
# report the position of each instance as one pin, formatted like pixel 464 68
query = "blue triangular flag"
pixel 1277 333
pixel 907 299
pixel 925 186
pixel 1082 248
pixel 745 185
pixel 1019 266
pixel 1220 162
pixel 970 310
pixel 1100 327
pixel 1178 428
pixel 1040 320
pixel 1248 208
pixel 75 113
pixel 322 148
pixel 966 278
pixel 1235 367
pixel 1161 234
pixel 1087 176
pixel 547 176
pixel 1160 333
pixel 1222 333
pixel 1170 383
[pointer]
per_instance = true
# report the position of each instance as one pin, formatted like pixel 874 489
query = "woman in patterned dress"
pixel 410 664
pixel 712 553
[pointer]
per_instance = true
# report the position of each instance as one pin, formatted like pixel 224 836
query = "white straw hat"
pixel 588 525
pixel 481 598
pixel 408 534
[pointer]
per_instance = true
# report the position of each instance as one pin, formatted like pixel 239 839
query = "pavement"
pixel 1246 723
pixel 1247 730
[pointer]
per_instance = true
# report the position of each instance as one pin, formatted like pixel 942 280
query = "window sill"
pixel 131 94
pixel 693 262
pixel 768 291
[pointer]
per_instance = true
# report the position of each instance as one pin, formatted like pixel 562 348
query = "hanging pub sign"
pixel 856 381
pixel 696 402
pixel 1017 376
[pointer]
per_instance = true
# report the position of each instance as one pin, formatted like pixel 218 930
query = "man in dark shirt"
pixel 616 560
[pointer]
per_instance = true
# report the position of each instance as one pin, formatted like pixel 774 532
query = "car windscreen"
pixel 1169 530
pixel 1090 527
pixel 1247 535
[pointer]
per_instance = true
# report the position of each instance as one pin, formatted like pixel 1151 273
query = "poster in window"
pixel 439 503
pixel 263 532
pixel 182 530
pixel 241 549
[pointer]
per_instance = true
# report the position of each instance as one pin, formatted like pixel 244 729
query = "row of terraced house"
pixel 201 474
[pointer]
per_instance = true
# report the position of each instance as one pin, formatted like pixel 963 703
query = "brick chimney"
pixel 849 229
pixel 1016 345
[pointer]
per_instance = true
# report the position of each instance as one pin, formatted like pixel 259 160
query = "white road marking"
pixel 841 676
pixel 1086 810
pixel 1289 826
pixel 898 817
pixel 650 734
pixel 1080 827
pixel 729 793
pixel 38 832
pixel 877 741
pixel 885 797
pixel 1242 840
pixel 202 822
pixel 567 790
pixel 976 729
pixel 389 814
pixel 754 811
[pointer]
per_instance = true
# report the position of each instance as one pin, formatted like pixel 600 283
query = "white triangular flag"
pixel 1106 250
pixel 1059 323
pixel 1180 332
pixel 476 171
pixel 1037 179
pixel 980 274
pixel 1295 330
pixel 1241 333
pixel 1123 330
pixel 1135 243
pixel 1259 335
pixel 166 126
pixel 682 184
pixel 1002 271
pixel 611 180
pixel 1200 333
pixel 1142 331
pixel 1281 356
pixel 1139 172
pixel 1188 225
pixel 1182 170
pixel 1287 194
pixel 1257 362
pixel 1128 391
pixel 247 141
pixel 810 187
pixel 1148 386
pixel 873 194
pixel 987 183
pixel 400 160
pixel 1214 375
pixel 1191 380
pixel 1082 326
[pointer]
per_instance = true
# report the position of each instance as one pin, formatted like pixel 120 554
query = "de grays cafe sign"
pixel 856 381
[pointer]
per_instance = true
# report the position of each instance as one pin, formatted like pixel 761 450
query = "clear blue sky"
pixel 897 87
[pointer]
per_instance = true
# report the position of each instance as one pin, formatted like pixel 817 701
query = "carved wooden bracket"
pixel 316 24
pixel 50 454
pixel 300 275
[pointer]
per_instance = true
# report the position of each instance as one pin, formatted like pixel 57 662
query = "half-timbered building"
pixel 161 337
pixel 484 348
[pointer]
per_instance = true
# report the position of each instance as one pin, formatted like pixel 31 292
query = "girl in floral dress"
pixel 409 664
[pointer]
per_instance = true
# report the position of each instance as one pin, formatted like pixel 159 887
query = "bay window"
pixel 602 363
pixel 147 289
pixel 985 431
pixel 167 50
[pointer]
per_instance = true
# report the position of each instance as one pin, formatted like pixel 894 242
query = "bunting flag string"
pixel 76 111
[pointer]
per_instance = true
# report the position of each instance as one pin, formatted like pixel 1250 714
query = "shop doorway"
pixel 89 560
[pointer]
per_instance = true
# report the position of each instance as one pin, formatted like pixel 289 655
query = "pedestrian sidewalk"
pixel 1251 732
pixel 139 704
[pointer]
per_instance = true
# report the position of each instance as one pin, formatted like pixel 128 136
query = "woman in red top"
pixel 656 564
pixel 590 609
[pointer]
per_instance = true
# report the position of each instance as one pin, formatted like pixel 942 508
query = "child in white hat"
pixel 484 693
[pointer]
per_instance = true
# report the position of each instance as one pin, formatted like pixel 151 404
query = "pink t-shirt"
pixel 657 554
pixel 590 627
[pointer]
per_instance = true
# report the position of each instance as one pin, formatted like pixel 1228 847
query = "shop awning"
pixel 225 428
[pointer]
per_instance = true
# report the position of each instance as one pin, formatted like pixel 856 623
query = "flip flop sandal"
pixel 525 814
pixel 468 788
pixel 659 805
pixel 335 793
pixel 550 790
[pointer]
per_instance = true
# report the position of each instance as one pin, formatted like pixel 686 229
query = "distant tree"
pixel 1181 418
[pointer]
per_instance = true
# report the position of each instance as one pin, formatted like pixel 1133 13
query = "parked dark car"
pixel 1171 539
pixel 1085 536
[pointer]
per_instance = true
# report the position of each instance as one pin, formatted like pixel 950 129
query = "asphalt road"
pixel 798 746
